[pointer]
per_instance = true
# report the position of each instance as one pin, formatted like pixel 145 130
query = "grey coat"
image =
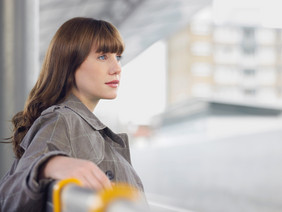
pixel 68 129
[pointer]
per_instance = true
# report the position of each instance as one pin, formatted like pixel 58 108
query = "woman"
pixel 57 136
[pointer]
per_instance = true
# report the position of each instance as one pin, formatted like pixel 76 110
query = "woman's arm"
pixel 48 155
pixel 88 173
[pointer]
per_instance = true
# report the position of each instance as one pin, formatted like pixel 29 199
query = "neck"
pixel 89 103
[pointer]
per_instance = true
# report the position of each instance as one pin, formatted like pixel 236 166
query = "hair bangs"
pixel 108 39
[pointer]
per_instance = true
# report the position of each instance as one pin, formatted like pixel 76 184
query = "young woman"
pixel 57 136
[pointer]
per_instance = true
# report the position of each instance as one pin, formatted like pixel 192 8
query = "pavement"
pixel 193 167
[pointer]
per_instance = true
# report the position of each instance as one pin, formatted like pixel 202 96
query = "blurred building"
pixel 228 62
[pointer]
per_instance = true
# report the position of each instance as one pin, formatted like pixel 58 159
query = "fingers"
pixel 90 183
pixel 95 178
pixel 101 177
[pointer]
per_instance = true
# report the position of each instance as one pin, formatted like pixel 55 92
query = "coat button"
pixel 110 174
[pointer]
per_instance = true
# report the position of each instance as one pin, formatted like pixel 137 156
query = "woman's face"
pixel 98 77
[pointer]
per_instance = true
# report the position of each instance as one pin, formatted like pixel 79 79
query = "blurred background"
pixel 200 96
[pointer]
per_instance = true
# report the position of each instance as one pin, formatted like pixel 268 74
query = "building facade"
pixel 226 62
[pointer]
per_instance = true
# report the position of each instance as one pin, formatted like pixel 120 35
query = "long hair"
pixel 68 49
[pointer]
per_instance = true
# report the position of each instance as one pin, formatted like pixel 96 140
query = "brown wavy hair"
pixel 68 49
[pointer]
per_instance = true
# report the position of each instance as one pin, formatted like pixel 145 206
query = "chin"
pixel 110 97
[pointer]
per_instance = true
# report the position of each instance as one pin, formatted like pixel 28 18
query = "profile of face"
pixel 98 77
pixel 83 58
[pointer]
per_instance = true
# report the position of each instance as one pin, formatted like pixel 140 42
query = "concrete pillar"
pixel 18 64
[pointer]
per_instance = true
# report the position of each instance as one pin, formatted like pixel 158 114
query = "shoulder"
pixel 75 114
pixel 73 119
pixel 60 112
pixel 51 125
pixel 56 110
pixel 60 117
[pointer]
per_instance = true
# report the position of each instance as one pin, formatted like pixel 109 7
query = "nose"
pixel 115 68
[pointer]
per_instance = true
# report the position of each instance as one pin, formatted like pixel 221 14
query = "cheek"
pixel 86 78
pixel 80 78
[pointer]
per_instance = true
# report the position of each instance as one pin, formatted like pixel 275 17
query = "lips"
pixel 113 84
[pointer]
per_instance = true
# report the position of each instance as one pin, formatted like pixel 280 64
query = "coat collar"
pixel 73 103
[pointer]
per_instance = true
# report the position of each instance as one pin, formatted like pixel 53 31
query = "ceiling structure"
pixel 140 22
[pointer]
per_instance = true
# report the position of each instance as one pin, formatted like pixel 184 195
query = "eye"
pixel 102 57
pixel 119 57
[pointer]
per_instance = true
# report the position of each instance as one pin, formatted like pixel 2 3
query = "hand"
pixel 88 173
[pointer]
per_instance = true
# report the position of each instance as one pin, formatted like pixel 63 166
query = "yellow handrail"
pixel 101 200
pixel 119 191
pixel 57 192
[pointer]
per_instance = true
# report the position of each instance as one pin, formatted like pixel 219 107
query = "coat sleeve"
pixel 20 188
